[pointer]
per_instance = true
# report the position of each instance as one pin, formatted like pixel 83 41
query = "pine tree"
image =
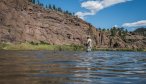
pixel 113 31
pixel 66 12
pixel 41 4
pixel 126 31
pixel 103 29
pixel 120 33
pixel 59 9
pixel 50 7
pixel 70 13
pixel 46 6
pixel 99 29
pixel 34 1
pixel 54 7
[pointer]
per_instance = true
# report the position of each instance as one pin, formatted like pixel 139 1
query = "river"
pixel 66 67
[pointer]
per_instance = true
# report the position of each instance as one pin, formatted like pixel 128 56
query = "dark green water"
pixel 46 67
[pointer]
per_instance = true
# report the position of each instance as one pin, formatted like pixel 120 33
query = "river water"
pixel 65 67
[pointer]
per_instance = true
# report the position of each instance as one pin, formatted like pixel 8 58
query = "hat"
pixel 88 36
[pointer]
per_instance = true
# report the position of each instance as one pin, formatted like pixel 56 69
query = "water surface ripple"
pixel 64 67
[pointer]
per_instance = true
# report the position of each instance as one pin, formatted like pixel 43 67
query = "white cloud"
pixel 115 25
pixel 135 24
pixel 96 5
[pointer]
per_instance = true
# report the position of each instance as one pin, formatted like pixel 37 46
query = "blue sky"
pixel 106 13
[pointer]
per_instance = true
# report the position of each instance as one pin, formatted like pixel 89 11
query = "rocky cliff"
pixel 22 21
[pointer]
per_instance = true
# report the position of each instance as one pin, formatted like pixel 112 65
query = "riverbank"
pixel 44 46
pixel 119 49
pixel 39 46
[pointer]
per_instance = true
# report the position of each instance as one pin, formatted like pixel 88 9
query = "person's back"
pixel 89 44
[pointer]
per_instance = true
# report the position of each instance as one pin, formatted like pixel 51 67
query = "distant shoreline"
pixel 119 49
pixel 29 46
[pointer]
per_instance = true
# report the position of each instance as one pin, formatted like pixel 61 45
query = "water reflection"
pixel 46 67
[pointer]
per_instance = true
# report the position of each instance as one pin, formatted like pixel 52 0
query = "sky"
pixel 130 14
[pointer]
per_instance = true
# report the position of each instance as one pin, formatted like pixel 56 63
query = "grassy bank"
pixel 30 46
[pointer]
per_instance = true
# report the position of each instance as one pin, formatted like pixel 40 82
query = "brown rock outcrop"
pixel 23 21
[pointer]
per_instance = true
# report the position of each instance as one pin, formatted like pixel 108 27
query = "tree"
pixel 113 31
pixel 46 7
pixel 120 33
pixel 66 12
pixel 107 29
pixel 59 9
pixel 34 1
pixel 103 29
pixel 99 29
pixel 50 7
pixel 54 7
pixel 41 4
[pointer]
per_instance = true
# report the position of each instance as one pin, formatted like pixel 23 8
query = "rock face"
pixel 22 21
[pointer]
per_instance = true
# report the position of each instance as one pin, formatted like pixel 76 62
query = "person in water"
pixel 89 44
